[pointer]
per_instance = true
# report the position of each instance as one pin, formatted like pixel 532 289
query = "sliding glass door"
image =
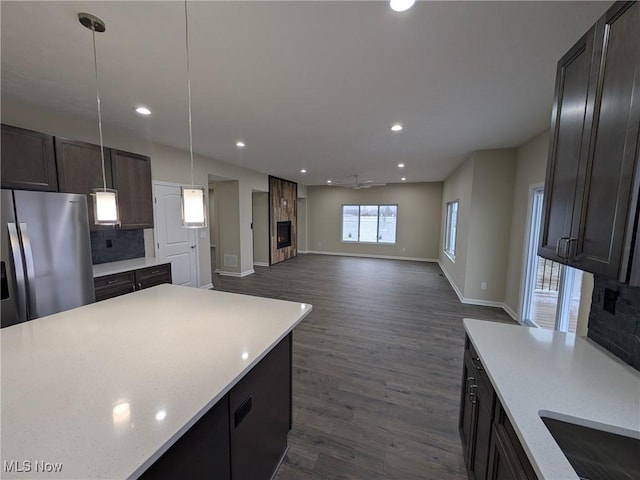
pixel 551 294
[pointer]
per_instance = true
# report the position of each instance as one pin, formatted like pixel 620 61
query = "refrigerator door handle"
pixel 21 282
pixel 31 271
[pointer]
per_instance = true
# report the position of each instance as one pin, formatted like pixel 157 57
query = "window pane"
pixel 368 223
pixel 350 223
pixel 387 223
pixel 451 228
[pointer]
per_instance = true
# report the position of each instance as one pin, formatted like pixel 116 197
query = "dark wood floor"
pixel 376 366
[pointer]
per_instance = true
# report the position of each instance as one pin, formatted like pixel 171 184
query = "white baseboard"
pixel 235 274
pixel 511 313
pixel 366 255
pixel 260 264
pixel 475 301
pixel 303 251
pixel 208 286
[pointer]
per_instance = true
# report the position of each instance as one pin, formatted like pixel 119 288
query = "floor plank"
pixel 376 366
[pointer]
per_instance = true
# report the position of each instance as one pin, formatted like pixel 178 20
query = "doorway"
pixel 174 243
pixel 551 293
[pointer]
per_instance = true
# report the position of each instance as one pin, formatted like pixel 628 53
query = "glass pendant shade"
pixel 105 206
pixel 401 5
pixel 193 207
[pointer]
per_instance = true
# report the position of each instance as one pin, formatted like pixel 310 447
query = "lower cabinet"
pixel 507 459
pixel 110 286
pixel 244 435
pixel 490 445
pixel 202 452
pixel 260 416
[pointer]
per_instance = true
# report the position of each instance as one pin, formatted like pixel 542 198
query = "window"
pixel 451 229
pixel 369 223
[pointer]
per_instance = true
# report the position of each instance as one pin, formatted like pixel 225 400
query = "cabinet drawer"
pixel 152 276
pixel 114 285
pixel 113 281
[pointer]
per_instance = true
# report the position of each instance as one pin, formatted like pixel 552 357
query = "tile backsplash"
pixel 114 245
pixel 614 320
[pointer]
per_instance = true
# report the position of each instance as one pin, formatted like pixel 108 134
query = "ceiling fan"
pixel 356 185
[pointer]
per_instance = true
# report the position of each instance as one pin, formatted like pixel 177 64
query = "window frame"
pixel 359 205
pixel 450 241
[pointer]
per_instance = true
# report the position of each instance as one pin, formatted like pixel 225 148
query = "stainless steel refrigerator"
pixel 46 254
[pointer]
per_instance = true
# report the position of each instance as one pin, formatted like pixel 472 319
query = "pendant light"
pixel 193 196
pixel 105 200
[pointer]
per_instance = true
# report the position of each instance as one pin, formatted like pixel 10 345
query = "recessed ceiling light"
pixel 143 110
pixel 328 181
pixel 401 5
pixel 396 128
pixel 240 144
pixel 403 179
pixel 401 165
pixel 303 171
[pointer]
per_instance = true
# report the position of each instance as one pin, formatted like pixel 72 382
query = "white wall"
pixel 457 186
pixel 484 187
pixel 530 170
pixel 168 164
pixel 418 222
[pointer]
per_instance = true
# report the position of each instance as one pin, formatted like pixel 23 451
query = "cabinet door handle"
pixel 466 387
pixel 472 395
pixel 567 248
pixel 133 287
pixel 109 282
pixel 139 286
pixel 479 364
pixel 558 243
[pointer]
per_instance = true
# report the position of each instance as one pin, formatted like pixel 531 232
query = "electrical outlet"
pixel 203 234
pixel 404 249
pixel 483 285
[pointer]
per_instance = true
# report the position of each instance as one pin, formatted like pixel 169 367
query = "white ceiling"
pixel 312 85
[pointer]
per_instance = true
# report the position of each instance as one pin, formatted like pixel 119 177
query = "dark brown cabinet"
pixel 114 285
pixel 244 435
pixel 80 170
pixel 110 286
pixel 132 178
pixel 202 452
pixel 260 415
pixel 590 210
pixel 490 445
pixel 152 276
pixel 507 459
pixel 28 160
pixel 476 413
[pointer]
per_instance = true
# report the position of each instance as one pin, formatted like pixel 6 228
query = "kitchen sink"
pixel 595 454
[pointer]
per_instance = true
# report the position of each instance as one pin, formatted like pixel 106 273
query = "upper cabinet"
pixel 592 183
pixel 132 178
pixel 28 160
pixel 80 170
pixel 36 161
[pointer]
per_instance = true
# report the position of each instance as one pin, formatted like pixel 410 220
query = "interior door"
pixel 174 243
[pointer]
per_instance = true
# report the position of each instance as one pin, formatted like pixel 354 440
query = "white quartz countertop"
pixel 110 268
pixel 559 375
pixel 106 388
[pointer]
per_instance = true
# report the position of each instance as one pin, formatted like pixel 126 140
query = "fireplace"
pixel 284 234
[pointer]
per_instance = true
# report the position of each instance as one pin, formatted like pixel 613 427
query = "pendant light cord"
pixel 95 64
pixel 186 32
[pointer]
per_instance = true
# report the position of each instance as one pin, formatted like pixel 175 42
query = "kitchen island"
pixel 104 390
pixel 536 373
